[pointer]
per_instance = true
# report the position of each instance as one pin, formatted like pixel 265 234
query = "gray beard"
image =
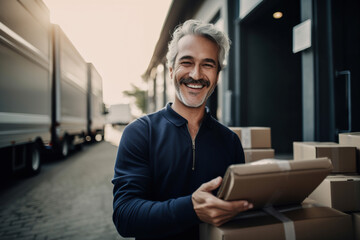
pixel 183 100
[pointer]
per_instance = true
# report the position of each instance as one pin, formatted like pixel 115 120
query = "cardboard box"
pixel 356 225
pixel 253 137
pixel 273 182
pixel 352 139
pixel 252 155
pixel 341 192
pixel 308 223
pixel 342 157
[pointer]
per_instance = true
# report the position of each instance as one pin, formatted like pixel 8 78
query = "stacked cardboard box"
pixel 256 142
pixel 343 157
pixel 356 224
pixel 309 222
pixel 279 183
pixel 252 155
pixel 352 139
pixel 341 190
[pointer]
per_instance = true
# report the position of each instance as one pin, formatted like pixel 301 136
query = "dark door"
pixel 271 73
pixel 346 50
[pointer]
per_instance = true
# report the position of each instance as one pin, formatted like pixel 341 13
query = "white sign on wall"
pixel 302 36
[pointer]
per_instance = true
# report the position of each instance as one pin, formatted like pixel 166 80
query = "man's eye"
pixel 207 65
pixel 185 63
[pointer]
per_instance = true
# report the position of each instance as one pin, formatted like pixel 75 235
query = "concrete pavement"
pixel 69 199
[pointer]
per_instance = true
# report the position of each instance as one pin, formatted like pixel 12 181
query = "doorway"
pixel 346 52
pixel 270 88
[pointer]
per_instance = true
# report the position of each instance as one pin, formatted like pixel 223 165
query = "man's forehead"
pixel 197 47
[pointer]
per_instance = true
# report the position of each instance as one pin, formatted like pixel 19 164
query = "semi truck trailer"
pixel 69 98
pixel 50 97
pixel 25 84
pixel 95 106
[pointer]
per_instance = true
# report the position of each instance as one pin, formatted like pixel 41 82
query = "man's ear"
pixel 171 72
pixel 217 77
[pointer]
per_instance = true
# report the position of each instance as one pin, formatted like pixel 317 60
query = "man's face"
pixel 195 72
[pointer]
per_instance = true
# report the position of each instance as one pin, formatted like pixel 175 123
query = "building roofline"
pixel 179 12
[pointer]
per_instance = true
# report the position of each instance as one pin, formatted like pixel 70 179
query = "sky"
pixel 117 36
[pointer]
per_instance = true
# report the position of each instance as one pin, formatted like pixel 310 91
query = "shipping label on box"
pixel 253 137
pixel 343 157
pixel 341 192
pixel 309 222
pixel 252 155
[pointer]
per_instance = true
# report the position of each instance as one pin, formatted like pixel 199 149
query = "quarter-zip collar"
pixel 178 120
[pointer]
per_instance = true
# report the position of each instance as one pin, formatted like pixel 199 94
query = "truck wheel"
pixel 64 148
pixel 33 159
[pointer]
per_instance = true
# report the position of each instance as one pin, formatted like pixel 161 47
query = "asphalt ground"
pixel 69 199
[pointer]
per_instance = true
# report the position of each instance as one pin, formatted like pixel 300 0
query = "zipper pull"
pixel 193 148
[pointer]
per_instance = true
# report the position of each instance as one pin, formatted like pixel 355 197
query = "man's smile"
pixel 195 86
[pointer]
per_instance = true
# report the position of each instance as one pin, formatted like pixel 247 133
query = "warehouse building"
pixel 293 66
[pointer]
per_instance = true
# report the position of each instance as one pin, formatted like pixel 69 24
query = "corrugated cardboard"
pixel 274 182
pixel 252 155
pixel 254 137
pixel 356 224
pixel 352 139
pixel 317 223
pixel 340 192
pixel 342 157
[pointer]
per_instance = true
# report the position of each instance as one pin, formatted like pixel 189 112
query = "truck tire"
pixel 33 159
pixel 5 163
pixel 65 148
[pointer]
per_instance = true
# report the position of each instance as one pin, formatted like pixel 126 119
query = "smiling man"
pixel 195 70
pixel 170 162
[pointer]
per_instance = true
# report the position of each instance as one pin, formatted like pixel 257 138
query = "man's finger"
pixel 241 205
pixel 231 206
pixel 211 185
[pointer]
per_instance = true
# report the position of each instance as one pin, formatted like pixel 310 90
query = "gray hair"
pixel 196 27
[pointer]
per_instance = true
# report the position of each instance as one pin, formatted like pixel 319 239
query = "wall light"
pixel 277 15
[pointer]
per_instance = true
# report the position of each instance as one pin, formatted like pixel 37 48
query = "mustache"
pixel 191 80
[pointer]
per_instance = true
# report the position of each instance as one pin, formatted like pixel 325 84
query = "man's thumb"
pixel 211 185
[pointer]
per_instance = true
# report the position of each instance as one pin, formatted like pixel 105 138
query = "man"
pixel 170 162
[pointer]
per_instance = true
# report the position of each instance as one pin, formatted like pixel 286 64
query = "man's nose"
pixel 196 73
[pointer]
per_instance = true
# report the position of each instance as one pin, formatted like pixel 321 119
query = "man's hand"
pixel 213 210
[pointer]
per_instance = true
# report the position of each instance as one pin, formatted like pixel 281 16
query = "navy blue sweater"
pixel 158 167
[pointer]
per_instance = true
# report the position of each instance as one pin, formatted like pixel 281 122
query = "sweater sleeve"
pixel 135 215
